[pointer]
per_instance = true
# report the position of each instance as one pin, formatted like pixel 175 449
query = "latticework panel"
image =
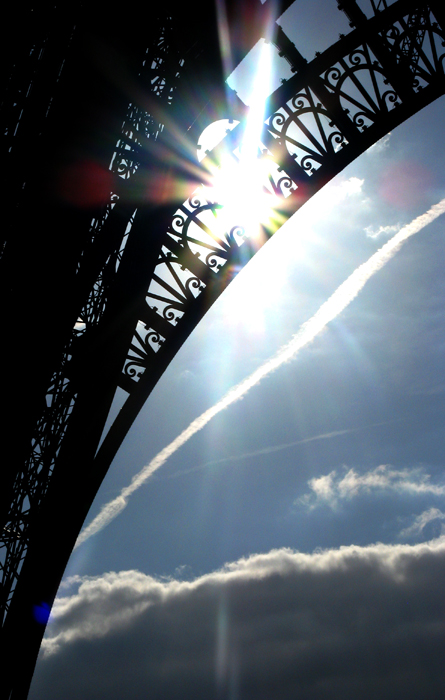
pixel 332 109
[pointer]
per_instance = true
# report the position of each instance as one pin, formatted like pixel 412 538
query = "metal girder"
pixel 320 120
pixel 143 268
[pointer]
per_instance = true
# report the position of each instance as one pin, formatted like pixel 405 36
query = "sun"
pixel 239 182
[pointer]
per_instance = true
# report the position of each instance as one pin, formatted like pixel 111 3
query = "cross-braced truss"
pixel 140 300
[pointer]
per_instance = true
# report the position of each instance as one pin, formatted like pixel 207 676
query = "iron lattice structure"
pixel 112 252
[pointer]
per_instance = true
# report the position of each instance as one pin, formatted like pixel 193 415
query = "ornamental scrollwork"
pixel 172 287
pixel 361 87
pixel 171 314
pixel 317 120
pixel 145 342
pixel 306 128
pixel 194 226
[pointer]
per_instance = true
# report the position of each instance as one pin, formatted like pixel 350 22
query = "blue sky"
pixel 295 543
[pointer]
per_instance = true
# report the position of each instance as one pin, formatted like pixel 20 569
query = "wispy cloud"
pixel 271 449
pixel 332 488
pixel 381 145
pixel 421 521
pixel 329 198
pixel 336 303
pixel 382 231
pixel 346 188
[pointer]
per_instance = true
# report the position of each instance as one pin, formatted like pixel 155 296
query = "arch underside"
pixel 318 122
pixel 148 274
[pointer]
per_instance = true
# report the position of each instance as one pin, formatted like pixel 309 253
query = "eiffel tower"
pixel 108 261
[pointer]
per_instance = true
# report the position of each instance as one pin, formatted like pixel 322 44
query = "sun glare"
pixel 238 187
pixel 239 182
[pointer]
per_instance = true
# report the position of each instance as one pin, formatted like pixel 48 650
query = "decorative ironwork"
pixel 303 132
pixel 305 127
pixel 318 121
pixel 32 482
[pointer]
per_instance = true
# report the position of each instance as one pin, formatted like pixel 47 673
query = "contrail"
pixel 263 451
pixel 331 308
pixel 271 449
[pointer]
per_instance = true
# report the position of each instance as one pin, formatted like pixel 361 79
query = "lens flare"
pixel 239 182
pixel 239 189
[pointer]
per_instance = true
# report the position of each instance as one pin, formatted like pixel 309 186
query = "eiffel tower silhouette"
pixel 108 261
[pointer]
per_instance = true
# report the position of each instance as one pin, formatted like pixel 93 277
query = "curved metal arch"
pixel 344 122
pixel 142 298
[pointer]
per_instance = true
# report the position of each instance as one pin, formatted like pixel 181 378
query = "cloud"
pixel 333 487
pixel 330 197
pixel 352 185
pixel 382 231
pixel 355 622
pixel 380 145
pixel 331 308
pixel 421 521
pixel 263 451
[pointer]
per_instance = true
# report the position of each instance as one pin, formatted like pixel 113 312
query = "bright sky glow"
pixel 288 546
pixel 336 303
pixel 239 182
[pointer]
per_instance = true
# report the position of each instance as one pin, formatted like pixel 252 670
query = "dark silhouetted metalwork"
pixel 109 258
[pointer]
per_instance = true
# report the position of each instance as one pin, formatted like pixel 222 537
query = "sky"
pixel 294 545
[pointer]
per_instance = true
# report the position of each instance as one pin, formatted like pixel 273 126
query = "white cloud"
pixel 382 231
pixel 421 521
pixel 380 145
pixel 330 197
pixel 352 622
pixel 333 487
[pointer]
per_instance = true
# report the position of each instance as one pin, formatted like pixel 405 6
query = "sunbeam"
pixel 336 303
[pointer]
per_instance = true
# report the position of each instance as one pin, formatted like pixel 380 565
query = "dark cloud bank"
pixel 355 623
